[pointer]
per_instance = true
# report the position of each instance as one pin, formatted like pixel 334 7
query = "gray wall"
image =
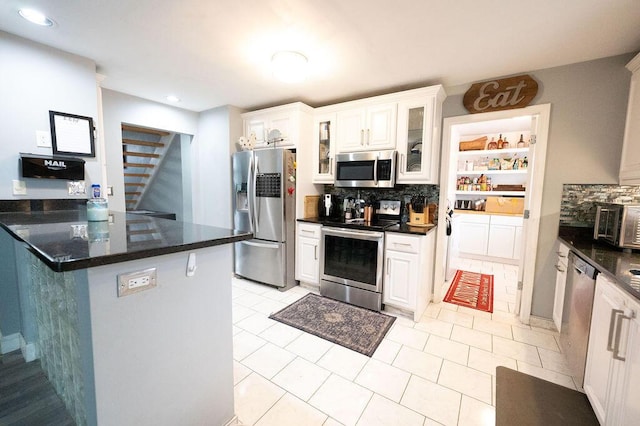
pixel 588 106
pixel 165 192
pixel 34 80
pixel 118 108
pixel 218 129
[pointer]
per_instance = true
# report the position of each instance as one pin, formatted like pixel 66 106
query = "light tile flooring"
pixel 440 370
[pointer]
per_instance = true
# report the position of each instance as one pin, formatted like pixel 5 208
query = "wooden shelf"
pixel 492 152
pixel 492 172
pixel 495 193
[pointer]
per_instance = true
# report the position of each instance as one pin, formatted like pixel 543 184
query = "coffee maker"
pixel 328 206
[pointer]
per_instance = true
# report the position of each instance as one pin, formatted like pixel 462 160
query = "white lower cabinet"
pixel 308 253
pixel 612 373
pixel 473 234
pixel 561 279
pixel 489 235
pixel 408 271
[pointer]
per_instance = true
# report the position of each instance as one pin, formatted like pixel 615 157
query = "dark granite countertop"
pixel 609 260
pixel 64 240
pixel 399 228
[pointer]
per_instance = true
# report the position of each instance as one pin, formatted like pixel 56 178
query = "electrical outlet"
pixel 19 187
pixel 43 139
pixel 134 282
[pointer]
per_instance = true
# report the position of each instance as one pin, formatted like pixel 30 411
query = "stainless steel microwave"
pixel 618 225
pixel 373 169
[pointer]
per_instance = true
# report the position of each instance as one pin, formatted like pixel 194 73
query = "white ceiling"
pixel 216 52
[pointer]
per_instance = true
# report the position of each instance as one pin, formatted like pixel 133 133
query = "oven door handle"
pixel 353 233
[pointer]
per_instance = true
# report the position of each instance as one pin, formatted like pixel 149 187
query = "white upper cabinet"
pixel 367 127
pixel 418 138
pixel 630 161
pixel 279 126
pixel 324 129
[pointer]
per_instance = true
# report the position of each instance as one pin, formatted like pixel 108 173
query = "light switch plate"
pixel 43 139
pixel 19 187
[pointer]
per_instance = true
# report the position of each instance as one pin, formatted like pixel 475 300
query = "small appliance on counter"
pixel 618 225
pixel 329 206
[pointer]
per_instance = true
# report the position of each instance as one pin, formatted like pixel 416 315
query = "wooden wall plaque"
pixel 500 94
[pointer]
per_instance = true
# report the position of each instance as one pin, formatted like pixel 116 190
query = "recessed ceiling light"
pixel 35 17
pixel 289 66
pixel 172 99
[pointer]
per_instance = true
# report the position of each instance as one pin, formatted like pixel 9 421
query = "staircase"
pixel 26 396
pixel 142 152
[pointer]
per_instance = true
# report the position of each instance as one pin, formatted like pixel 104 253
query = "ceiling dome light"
pixel 172 99
pixel 35 17
pixel 289 67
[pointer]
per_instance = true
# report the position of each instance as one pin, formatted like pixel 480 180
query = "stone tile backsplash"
pixel 578 206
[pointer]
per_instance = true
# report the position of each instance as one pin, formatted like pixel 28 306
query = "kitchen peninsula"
pixel 161 352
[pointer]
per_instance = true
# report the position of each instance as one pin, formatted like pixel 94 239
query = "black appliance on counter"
pixel 329 206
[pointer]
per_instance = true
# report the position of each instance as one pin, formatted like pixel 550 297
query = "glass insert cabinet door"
pixel 324 136
pixel 415 130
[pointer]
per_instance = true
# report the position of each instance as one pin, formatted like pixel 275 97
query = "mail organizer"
pixel 51 167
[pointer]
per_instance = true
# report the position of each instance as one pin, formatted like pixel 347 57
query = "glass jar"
pixel 97 210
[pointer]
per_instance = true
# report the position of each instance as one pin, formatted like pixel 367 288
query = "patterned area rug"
pixel 350 326
pixel 472 290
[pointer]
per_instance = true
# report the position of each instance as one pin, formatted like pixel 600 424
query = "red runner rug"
pixel 472 290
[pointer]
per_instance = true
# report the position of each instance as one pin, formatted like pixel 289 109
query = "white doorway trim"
pixel 533 201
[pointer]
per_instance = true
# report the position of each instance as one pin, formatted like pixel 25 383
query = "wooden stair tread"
pixel 132 193
pixel 140 154
pixel 137 174
pixel 142 165
pixel 135 184
pixel 130 128
pixel 141 143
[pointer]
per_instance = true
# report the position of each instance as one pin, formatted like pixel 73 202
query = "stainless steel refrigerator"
pixel 264 203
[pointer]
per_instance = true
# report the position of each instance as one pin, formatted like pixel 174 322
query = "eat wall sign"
pixel 497 95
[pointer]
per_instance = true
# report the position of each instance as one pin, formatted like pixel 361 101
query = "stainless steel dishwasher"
pixel 576 314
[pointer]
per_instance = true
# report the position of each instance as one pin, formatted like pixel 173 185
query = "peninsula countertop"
pixel 401 228
pixel 609 260
pixel 64 240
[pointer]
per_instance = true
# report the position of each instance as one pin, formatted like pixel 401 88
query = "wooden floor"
pixel 26 396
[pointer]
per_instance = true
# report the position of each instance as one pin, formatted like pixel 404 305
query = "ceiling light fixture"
pixel 289 67
pixel 36 17
pixel 172 99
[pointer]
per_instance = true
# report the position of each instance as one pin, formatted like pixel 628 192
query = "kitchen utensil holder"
pixel 418 219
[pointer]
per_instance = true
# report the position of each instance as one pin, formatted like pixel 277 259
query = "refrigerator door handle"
pixel 256 214
pixel 262 245
pixel 250 193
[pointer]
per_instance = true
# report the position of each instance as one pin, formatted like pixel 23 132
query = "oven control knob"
pixel 394 207
pixel 385 206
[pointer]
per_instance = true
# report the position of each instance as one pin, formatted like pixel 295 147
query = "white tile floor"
pixel 440 370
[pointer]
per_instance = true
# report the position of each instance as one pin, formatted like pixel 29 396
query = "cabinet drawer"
pixel 506 220
pixel 402 243
pixel 309 230
pixel 474 218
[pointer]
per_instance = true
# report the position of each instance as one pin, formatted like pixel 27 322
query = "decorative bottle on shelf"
pixel 500 141
pixel 521 143
pixel 525 163
pixel 505 144
pixel 492 144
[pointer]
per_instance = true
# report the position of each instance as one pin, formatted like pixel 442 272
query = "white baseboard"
pixel 10 343
pixel 234 422
pixel 29 350
pixel 540 322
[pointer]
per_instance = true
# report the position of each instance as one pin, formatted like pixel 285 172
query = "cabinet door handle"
pixel 315 252
pixel 561 254
pixel 559 269
pixel 368 137
pixel 388 266
pixel 307 231
pixel 361 137
pixel 616 346
pixel 612 325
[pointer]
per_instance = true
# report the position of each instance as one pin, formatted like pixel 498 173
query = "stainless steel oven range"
pixel 352 258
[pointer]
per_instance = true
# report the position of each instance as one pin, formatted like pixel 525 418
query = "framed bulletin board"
pixel 72 134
